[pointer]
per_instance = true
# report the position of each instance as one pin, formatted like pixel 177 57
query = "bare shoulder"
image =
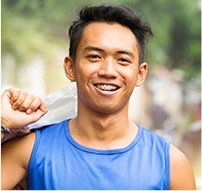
pixel 181 174
pixel 15 155
pixel 19 145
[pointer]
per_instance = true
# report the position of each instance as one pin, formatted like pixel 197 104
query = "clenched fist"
pixel 19 109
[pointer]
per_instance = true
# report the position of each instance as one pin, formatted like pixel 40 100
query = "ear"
pixel 69 68
pixel 142 73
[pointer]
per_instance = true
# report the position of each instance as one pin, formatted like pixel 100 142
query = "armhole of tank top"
pixel 33 153
pixel 167 161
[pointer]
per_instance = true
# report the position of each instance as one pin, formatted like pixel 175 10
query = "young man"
pixel 99 148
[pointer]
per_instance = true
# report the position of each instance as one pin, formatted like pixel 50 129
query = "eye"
pixel 93 57
pixel 124 61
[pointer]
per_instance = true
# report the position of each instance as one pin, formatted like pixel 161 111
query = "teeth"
pixel 107 87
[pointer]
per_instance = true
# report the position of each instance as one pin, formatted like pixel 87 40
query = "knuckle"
pixel 36 103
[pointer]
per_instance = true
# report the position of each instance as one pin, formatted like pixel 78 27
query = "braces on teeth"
pixel 107 87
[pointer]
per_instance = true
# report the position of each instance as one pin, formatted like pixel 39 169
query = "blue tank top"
pixel 58 162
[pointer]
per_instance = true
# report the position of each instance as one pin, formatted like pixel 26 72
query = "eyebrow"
pixel 126 52
pixel 90 48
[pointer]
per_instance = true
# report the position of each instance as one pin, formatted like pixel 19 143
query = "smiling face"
pixel 106 68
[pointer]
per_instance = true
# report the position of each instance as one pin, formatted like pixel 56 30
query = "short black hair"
pixel 110 13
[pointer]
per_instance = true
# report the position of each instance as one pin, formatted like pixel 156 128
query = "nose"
pixel 108 69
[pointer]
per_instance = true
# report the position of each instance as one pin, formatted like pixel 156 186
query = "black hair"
pixel 113 13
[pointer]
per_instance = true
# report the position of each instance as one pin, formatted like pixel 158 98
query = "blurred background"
pixel 34 43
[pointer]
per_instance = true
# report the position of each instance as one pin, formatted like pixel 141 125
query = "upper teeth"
pixel 106 87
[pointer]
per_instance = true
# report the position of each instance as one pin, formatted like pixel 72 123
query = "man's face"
pixel 106 68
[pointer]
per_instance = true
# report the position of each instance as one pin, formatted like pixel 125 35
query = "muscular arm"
pixel 181 173
pixel 18 109
pixel 15 156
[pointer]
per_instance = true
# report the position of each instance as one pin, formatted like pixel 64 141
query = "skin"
pixel 18 109
pixel 102 121
pixel 20 106
pixel 108 59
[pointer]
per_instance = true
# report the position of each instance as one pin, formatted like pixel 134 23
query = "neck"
pixel 103 131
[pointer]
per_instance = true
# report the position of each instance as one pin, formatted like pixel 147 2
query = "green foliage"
pixel 177 31
pixel 32 27
pixel 24 31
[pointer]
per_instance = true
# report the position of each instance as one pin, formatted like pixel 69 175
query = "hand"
pixel 19 109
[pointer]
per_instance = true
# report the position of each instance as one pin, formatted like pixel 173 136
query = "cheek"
pixel 86 69
pixel 84 72
pixel 129 73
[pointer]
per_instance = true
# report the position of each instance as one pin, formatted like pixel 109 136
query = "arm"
pixel 15 155
pixel 181 174
pixel 18 109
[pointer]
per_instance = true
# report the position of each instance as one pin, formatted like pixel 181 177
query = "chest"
pixel 72 168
